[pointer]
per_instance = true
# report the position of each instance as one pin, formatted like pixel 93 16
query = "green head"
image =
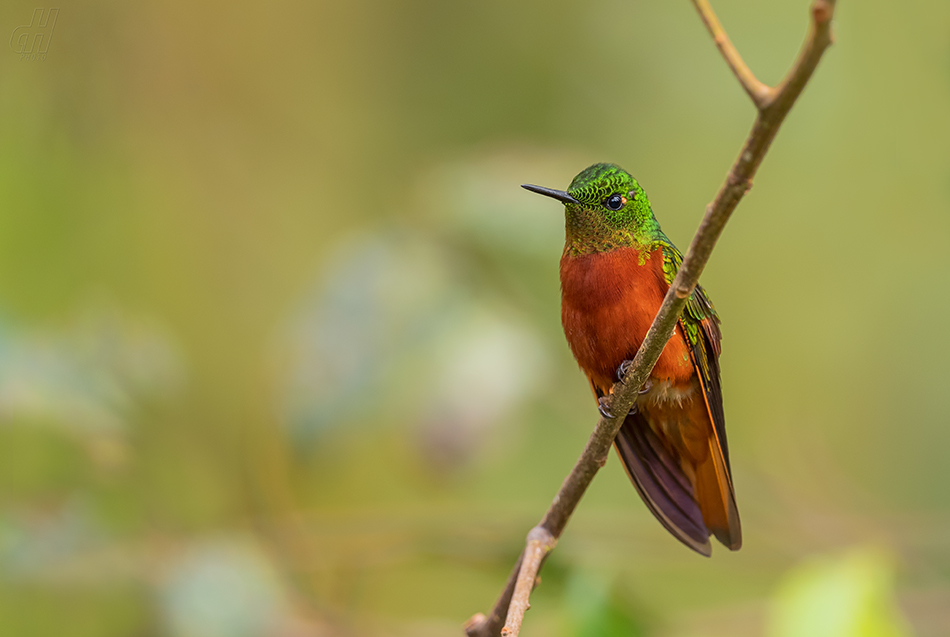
pixel 605 209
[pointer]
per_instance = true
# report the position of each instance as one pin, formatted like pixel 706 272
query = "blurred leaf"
pixel 850 595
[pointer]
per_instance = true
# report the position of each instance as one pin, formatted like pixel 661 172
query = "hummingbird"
pixel 616 268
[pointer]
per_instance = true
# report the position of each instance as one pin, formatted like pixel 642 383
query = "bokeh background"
pixel 280 348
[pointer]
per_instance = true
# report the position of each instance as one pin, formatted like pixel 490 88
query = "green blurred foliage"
pixel 280 349
pixel 846 596
pixel 594 608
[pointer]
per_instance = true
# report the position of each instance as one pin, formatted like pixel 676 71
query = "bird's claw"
pixel 606 413
pixel 622 370
pixel 647 386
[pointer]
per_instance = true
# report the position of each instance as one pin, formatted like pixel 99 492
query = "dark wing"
pixel 662 485
pixel 660 481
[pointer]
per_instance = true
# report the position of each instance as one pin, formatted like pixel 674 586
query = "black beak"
pixel 560 195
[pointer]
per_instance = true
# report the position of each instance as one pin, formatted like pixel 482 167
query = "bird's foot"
pixel 606 413
pixel 622 372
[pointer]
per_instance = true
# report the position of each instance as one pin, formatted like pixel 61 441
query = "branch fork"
pixel 772 104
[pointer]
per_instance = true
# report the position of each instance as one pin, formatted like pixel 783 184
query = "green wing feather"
pixel 701 326
pixel 700 314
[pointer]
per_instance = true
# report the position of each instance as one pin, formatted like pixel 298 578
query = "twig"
pixel 772 105
pixel 540 543
pixel 759 92
pixel 480 625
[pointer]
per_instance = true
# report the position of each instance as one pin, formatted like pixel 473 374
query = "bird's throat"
pixel 586 232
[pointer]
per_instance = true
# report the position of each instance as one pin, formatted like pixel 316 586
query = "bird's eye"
pixel 614 202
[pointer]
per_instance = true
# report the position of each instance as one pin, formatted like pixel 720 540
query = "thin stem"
pixel 759 92
pixel 540 543
pixel 819 38
pixel 481 625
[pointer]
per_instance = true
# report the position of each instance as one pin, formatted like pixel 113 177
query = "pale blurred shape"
pixel 486 368
pixel 394 331
pixel 87 377
pixel 38 542
pixel 481 199
pixel 224 588
pixel 850 595
pixel 379 293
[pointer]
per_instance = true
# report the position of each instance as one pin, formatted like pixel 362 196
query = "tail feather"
pixel 662 484
pixel 716 499
pixel 691 507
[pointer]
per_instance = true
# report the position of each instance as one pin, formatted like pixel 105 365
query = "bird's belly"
pixel 608 302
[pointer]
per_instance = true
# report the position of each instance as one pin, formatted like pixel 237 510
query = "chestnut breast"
pixel 608 301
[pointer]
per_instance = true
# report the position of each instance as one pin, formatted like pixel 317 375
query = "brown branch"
pixel 540 543
pixel 759 92
pixel 773 105
pixel 480 625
